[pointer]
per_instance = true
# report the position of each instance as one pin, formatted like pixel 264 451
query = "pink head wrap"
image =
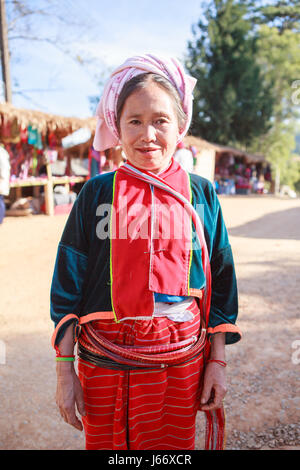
pixel 107 135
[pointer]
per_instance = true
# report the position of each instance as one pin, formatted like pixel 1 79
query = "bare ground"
pixel 262 403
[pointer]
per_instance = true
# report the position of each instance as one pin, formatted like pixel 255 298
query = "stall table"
pixel 48 184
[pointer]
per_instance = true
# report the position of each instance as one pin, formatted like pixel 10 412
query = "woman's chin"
pixel 149 165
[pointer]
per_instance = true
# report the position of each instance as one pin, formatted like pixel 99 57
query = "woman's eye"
pixel 161 121
pixel 135 122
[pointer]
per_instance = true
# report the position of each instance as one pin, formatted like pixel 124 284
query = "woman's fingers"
pixel 74 421
pixel 206 393
pixel 79 398
pixel 214 387
pixel 69 393
pixel 80 406
pixel 215 399
pixel 69 416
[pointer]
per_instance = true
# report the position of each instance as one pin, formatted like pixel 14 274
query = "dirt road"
pixel 262 404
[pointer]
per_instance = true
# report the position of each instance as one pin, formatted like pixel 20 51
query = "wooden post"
pixel 49 200
pixel 277 180
pixel 5 54
pixel 18 192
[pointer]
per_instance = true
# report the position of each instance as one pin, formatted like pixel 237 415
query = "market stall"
pixel 39 160
pixel 231 170
pixel 204 156
pixel 240 172
pixel 52 156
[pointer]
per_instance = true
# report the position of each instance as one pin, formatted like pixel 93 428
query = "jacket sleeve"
pixel 70 269
pixel 224 297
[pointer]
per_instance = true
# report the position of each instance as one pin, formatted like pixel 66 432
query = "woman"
pixel 144 278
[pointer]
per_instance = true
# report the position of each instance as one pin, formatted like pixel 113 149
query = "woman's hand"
pixel 68 390
pixel 68 394
pixel 214 383
pixel 214 387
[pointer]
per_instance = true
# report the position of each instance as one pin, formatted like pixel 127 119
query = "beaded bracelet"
pixel 65 358
pixel 61 358
pixel 218 361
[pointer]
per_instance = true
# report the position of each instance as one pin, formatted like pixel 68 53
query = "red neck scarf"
pixel 151 239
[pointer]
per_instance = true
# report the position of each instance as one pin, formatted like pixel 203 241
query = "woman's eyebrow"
pixel 134 116
pixel 162 114
pixel 156 114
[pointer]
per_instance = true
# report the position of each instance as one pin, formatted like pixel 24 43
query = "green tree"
pixel 233 104
pixel 278 55
pixel 278 146
pixel 282 14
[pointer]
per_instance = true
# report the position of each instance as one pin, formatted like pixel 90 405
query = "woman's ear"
pixel 180 130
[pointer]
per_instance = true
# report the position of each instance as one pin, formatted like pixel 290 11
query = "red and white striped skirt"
pixel 143 409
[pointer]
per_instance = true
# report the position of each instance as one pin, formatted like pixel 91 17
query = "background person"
pixel 184 157
pixel 4 179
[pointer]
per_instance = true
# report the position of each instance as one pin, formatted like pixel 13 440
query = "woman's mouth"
pixel 148 150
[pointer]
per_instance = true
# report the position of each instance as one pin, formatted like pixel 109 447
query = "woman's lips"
pixel 148 150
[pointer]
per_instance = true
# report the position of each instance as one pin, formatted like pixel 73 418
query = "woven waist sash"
pixel 95 348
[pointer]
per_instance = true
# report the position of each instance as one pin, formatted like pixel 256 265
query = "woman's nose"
pixel 149 133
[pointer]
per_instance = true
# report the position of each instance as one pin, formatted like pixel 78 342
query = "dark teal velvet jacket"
pixel 81 279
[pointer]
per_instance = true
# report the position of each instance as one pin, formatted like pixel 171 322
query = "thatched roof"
pixel 44 121
pixel 66 125
pixel 203 144
pixel 198 143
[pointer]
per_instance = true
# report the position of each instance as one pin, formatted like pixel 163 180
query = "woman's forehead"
pixel 152 98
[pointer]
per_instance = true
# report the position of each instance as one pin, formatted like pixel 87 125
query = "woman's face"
pixel 149 128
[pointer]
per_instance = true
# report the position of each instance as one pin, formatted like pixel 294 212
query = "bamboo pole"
pixel 5 54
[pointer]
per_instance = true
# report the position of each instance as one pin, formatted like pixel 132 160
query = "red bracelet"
pixel 218 361
pixel 59 355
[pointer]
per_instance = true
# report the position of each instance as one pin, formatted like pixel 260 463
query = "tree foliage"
pixel 233 104
pixel 283 14
pixel 245 56
pixel 278 55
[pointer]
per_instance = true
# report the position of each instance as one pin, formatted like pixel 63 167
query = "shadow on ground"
pixel 276 225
